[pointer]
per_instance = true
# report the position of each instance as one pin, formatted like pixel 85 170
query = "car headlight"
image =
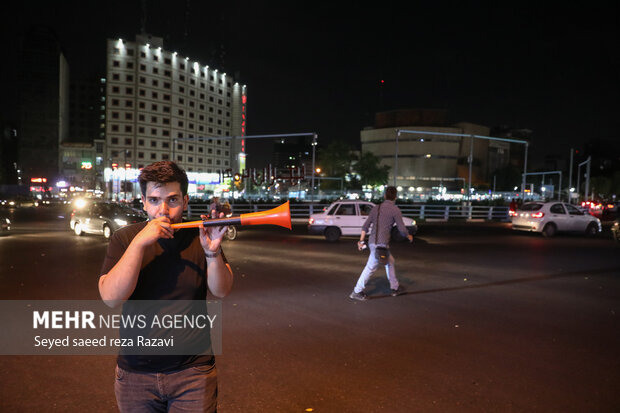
pixel 120 222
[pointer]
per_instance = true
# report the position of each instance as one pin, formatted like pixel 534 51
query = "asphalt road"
pixel 493 321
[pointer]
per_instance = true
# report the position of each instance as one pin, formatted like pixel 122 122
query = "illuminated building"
pixel 437 157
pixel 164 106
pixel 81 168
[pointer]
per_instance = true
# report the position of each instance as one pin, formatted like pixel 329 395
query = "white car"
pixel 346 218
pixel 549 218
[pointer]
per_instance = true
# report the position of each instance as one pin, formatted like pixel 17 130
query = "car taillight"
pixel 512 213
pixel 311 221
pixel 538 215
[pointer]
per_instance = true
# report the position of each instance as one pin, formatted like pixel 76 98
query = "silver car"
pixel 549 218
pixel 103 218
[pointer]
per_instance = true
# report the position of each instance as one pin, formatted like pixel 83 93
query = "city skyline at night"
pixel 329 69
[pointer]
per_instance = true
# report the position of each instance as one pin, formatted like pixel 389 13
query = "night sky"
pixel 317 67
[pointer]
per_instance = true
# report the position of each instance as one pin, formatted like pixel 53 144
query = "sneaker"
pixel 399 291
pixel 358 296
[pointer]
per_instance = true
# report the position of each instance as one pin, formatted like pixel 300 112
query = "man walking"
pixel 382 217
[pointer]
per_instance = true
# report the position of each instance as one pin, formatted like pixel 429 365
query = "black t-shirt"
pixel 172 269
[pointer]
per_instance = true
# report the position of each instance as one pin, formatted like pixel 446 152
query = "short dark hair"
pixel 163 172
pixel 390 193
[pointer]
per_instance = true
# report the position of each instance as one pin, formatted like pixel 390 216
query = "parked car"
pixel 346 218
pixel 98 217
pixel 549 218
pixel 5 224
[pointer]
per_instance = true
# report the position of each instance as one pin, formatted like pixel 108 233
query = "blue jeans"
pixel 372 265
pixel 193 389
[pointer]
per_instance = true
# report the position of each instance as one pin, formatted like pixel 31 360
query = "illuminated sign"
pixel 244 100
pixel 241 160
pixel 38 180
pixel 87 165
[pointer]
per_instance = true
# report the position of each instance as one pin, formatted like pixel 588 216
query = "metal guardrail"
pixel 421 212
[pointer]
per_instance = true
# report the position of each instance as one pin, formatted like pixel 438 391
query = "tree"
pixel 335 161
pixel 601 187
pixel 370 170
pixel 507 177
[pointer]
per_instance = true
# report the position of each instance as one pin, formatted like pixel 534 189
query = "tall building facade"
pixel 43 106
pixel 163 106
pixel 86 110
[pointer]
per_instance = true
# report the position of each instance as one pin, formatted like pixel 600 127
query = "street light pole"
pixel 570 176
pixel 579 182
pixel 587 161
pixel 125 177
pixel 588 177
pixel 526 143
pixel 524 172
pixel 314 139
pixel 471 161
pixel 396 155
pixel 549 173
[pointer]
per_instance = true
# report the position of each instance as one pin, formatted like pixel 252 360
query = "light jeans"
pixel 193 389
pixel 372 266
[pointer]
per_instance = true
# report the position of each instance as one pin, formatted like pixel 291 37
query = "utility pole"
pixel 314 143
pixel 471 161
pixel 587 161
pixel 396 156
pixel 588 176
pixel 526 143
pixel 570 175
pixel 524 172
